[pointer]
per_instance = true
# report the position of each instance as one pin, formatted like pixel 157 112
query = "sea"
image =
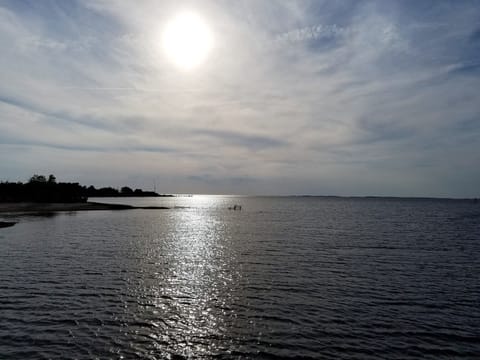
pixel 282 278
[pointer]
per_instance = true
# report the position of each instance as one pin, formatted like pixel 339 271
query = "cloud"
pixel 314 32
pixel 254 142
pixel 298 97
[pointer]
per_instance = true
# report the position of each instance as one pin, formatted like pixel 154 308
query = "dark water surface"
pixel 319 278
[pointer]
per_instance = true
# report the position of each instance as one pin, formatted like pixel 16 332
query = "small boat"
pixel 235 207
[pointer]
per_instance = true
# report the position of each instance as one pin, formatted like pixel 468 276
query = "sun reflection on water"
pixel 197 282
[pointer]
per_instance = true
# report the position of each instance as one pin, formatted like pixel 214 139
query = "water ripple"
pixel 288 278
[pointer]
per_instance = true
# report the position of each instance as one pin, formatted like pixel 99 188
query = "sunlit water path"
pixel 285 277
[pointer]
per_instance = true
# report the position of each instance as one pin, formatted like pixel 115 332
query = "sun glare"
pixel 187 40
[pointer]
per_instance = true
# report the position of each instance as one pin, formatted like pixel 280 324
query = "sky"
pixel 295 97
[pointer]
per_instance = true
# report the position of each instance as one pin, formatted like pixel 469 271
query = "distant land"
pixel 44 189
pixel 373 197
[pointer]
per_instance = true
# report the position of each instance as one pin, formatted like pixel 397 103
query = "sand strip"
pixel 25 208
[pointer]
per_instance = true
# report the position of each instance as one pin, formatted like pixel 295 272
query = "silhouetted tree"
pixel 41 189
pixel 38 179
pixel 126 190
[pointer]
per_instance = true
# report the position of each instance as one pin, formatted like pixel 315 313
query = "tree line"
pixel 40 188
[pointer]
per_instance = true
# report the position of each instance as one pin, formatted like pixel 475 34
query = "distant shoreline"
pixel 31 207
pixel 145 194
pixel 4 224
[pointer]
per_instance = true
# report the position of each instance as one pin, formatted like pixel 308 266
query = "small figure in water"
pixel 235 207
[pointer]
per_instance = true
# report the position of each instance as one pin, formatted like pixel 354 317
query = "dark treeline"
pixel 42 189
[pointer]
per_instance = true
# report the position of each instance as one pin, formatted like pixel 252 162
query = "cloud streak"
pixel 348 98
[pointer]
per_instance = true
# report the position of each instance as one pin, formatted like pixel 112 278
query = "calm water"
pixel 285 277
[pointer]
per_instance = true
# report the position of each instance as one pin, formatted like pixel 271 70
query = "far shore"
pixel 30 207
pixel 4 224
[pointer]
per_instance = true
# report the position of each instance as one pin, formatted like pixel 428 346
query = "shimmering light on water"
pixel 284 277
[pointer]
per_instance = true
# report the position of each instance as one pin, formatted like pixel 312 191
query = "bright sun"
pixel 187 40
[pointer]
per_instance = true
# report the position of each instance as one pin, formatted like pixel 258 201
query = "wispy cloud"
pixel 374 97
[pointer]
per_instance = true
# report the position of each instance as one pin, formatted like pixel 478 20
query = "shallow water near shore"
pixel 293 277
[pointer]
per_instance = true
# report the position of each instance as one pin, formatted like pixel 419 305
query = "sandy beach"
pixel 29 207
pixel 4 224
